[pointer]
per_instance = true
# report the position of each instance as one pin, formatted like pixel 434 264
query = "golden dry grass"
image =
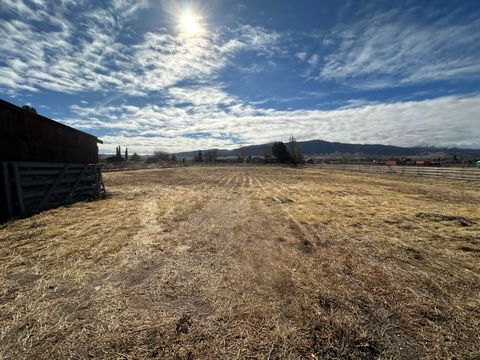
pixel 247 263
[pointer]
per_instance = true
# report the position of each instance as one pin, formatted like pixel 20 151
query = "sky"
pixel 184 75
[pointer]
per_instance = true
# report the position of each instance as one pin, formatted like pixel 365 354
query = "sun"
pixel 190 24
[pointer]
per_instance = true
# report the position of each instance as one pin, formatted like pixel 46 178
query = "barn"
pixel 44 163
pixel 422 163
pixel 391 162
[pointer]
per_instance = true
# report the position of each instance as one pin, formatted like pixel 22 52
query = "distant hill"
pixel 325 148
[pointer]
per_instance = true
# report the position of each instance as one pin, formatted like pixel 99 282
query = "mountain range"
pixel 326 148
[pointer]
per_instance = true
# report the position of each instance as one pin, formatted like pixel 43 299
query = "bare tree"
pixel 243 153
pixel 161 156
pixel 199 156
pixel 267 152
pixel 211 155
pixel 294 150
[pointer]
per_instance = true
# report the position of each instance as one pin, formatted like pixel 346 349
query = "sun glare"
pixel 190 24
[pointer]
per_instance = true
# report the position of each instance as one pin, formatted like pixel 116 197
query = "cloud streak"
pixel 88 54
pixel 390 49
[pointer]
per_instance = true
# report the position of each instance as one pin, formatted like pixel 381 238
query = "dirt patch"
pixel 439 217
pixel 466 238
pixel 470 249
pixel 24 278
pixel 331 339
pixel 135 276
pixel 183 324
pixel 416 254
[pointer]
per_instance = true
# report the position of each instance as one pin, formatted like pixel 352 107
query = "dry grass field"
pixel 247 263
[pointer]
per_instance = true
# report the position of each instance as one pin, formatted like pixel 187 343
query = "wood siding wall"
pixel 25 136
pixel 3 195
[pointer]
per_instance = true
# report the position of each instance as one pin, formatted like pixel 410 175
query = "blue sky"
pixel 181 75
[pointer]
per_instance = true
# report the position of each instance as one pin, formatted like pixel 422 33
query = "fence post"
pixel 75 185
pixel 18 184
pixel 6 183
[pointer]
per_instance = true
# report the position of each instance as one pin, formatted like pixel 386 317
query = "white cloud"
pixel 444 121
pixel 87 54
pixel 390 49
pixel 314 60
pixel 260 39
pixel 302 56
pixel 204 95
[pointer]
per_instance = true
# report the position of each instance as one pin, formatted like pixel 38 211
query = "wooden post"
pixel 77 182
pixel 18 184
pixel 6 183
pixel 97 179
pixel 101 180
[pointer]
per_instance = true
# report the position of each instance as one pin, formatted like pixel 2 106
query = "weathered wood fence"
pixel 442 172
pixel 29 187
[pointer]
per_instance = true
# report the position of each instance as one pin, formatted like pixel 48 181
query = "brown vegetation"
pixel 247 262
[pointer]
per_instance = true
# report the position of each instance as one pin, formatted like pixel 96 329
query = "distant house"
pixel 117 158
pixel 392 162
pixel 151 160
pixel 114 159
pixel 478 164
pixel 422 163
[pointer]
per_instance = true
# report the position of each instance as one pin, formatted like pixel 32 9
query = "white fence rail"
pixel 442 172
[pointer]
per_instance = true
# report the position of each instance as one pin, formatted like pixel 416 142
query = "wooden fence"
pixel 441 172
pixel 29 187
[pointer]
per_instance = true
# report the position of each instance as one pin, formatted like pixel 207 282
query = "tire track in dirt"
pixel 236 180
pixel 229 180
pixel 223 180
pixel 244 187
pixel 260 185
pixel 284 186
pixel 306 236
pixel 305 232
pixel 269 189
pixel 277 188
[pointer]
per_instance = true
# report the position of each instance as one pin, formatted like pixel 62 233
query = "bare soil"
pixel 247 263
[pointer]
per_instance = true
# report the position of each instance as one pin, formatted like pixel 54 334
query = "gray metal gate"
pixel 30 187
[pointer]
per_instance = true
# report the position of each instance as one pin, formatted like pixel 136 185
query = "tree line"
pixel 278 152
